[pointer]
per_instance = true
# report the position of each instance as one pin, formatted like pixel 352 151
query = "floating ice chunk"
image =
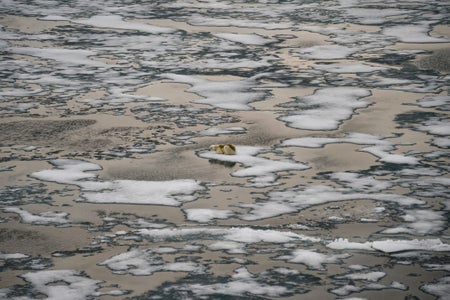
pixel 171 192
pixel 248 39
pixel 441 142
pixel 371 16
pixel 420 222
pixel 69 57
pixel 302 197
pixel 68 171
pixel 381 148
pixel 213 131
pixel 436 127
pixel 241 284
pixel 117 22
pixel 438 102
pixel 146 262
pixel 440 288
pixel 204 215
pixel 6 256
pixel 415 33
pixel 228 246
pixel 341 244
pixel 326 108
pixel 45 218
pixel 344 68
pixel 369 276
pixel 201 20
pixel 346 290
pixel 327 52
pixel 262 168
pixel 55 283
pixel 358 182
pixel 231 94
pixel 242 235
pixel 312 259
pixel 391 246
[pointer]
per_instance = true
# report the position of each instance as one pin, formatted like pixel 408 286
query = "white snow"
pixel 302 197
pixel 380 147
pixel 171 192
pixel 413 33
pixel 326 109
pixel 44 218
pixel 391 246
pixel 117 22
pixel 205 215
pixel 228 94
pixel 313 259
pixel 213 131
pixel 264 169
pixel 248 39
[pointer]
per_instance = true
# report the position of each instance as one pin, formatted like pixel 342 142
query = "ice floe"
pixel 74 285
pixel 326 109
pixel 391 246
pixel 420 222
pixel 44 218
pixel 301 197
pixel 312 259
pixel 380 147
pixel 205 215
pixel 146 262
pixel 264 169
pixel 230 94
pixel 172 192
pixel 248 39
pixel 414 33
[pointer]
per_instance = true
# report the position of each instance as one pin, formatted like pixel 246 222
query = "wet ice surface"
pixel 339 111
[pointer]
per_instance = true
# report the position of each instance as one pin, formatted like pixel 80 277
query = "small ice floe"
pixel 391 246
pixel 347 68
pixel 438 102
pixel 379 146
pixel 213 131
pixel 440 288
pixel 45 218
pixel 414 33
pixel 313 259
pixel 204 215
pixel 73 285
pixel 171 192
pixel 245 235
pixel 302 197
pixel 326 109
pixel 238 92
pixel 146 262
pixel 262 169
pixel 247 39
pixel 420 222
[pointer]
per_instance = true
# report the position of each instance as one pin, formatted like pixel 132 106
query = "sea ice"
pixel 313 259
pixel 326 109
pixel 420 222
pixel 45 218
pixel 302 197
pixel 262 168
pixel 204 215
pixel 248 39
pixel 172 192
pixel 391 246
pixel 146 262
pixel 231 94
pixel 414 33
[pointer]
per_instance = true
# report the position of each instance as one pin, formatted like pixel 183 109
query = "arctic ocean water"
pixel 338 110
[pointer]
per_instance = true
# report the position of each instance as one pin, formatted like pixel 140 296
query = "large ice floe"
pixel 172 193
